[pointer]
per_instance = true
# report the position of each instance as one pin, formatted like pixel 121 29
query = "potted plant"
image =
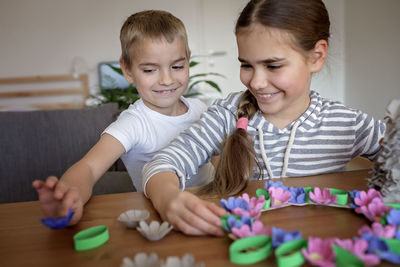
pixel 126 96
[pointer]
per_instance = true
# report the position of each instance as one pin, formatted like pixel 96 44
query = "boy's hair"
pixel 153 24
pixel 307 22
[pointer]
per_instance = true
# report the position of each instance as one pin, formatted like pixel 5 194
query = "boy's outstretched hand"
pixel 57 197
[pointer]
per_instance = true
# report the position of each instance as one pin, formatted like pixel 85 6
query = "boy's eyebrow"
pixel 265 61
pixel 155 64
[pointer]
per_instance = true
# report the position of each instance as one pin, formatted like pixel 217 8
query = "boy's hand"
pixel 191 215
pixel 56 197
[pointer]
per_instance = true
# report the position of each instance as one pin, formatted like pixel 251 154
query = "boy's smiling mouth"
pixel 166 92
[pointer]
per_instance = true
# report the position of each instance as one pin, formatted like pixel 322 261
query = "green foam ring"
pixel 342 196
pixel 394 244
pixel 91 238
pixel 239 250
pixel 289 253
pixel 263 192
pixel 344 258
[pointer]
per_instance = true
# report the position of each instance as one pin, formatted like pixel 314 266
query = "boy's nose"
pixel 258 80
pixel 166 78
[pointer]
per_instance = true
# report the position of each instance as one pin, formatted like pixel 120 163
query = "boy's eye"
pixel 177 67
pixel 245 66
pixel 148 70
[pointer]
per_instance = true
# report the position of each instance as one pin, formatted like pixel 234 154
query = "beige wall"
pixel 372 54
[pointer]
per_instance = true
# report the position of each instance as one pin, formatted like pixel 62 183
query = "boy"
pixel 155 57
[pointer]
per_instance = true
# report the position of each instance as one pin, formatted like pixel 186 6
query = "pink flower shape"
pixel 279 196
pixel 366 198
pixel 323 198
pixel 320 252
pixel 257 228
pixel 254 208
pixel 377 229
pixel 358 248
pixel 373 209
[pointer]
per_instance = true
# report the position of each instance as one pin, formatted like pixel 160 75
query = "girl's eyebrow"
pixel 265 61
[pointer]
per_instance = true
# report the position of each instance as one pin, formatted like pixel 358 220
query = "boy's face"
pixel 160 71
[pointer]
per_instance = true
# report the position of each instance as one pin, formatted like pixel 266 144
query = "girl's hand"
pixel 191 215
pixel 56 198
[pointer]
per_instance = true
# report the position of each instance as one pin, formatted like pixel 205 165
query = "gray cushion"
pixel 114 182
pixel 36 144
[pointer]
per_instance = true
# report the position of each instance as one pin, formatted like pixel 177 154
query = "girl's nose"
pixel 166 78
pixel 258 80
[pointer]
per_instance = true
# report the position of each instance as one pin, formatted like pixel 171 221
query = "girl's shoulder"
pixel 230 102
pixel 328 106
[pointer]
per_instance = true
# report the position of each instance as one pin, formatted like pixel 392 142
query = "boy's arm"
pixel 185 211
pixel 75 186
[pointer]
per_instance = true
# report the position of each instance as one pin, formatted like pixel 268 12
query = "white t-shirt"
pixel 143 132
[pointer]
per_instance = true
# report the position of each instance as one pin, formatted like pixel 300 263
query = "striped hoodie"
pixel 323 140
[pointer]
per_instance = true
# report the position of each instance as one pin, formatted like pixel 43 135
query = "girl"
pixel 277 128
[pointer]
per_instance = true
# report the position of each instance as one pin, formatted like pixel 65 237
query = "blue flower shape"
pixel 394 217
pixel 58 223
pixel 233 203
pixel 354 194
pixel 380 248
pixel 280 236
pixel 276 184
pixel 298 195
pixel 234 222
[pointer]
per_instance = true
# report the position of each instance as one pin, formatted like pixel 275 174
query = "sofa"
pixel 37 144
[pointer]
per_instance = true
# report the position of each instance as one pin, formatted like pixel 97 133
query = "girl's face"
pixel 278 76
pixel 160 71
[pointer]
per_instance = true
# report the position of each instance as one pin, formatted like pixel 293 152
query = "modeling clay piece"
pixel 142 260
pixel 154 231
pixel 58 223
pixel 131 218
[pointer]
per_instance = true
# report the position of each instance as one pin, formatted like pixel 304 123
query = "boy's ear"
pixel 126 71
pixel 318 56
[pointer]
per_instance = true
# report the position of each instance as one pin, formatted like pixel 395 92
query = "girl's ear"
pixel 318 56
pixel 126 71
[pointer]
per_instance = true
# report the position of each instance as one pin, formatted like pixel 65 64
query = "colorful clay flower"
pixel 277 184
pixel 280 236
pixel 233 203
pixel 380 248
pixel 365 198
pixel 256 228
pixel 377 229
pixel 58 223
pixel 353 195
pixel 298 195
pixel 323 198
pixel 359 248
pixel 320 252
pixel 254 207
pixel 373 209
pixel 234 222
pixel 279 196
pixel 394 218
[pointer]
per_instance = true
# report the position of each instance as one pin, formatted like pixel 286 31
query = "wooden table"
pixel 24 241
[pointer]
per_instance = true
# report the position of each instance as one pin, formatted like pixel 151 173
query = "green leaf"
pixel 116 69
pixel 193 63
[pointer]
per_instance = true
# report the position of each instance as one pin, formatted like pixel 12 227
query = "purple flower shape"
pixel 394 217
pixel 373 209
pixel 378 230
pixel 359 248
pixel 380 248
pixel 58 223
pixel 320 252
pixel 257 228
pixel 233 203
pixel 280 236
pixel 354 194
pixel 298 195
pixel 276 184
pixel 323 198
pixel 234 222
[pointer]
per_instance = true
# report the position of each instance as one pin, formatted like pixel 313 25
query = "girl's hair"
pixel 153 24
pixel 307 22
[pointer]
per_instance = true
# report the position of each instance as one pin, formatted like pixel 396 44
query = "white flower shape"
pixel 141 260
pixel 130 218
pixel 187 261
pixel 154 231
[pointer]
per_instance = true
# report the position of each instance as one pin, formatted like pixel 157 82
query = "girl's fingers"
pixel 51 181
pixel 60 190
pixel 71 199
pixel 37 184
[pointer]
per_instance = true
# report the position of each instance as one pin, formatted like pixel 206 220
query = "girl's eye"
pixel 148 70
pixel 274 67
